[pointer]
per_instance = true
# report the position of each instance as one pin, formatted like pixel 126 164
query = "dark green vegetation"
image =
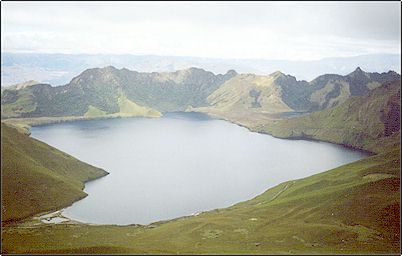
pixel 370 122
pixel 37 178
pixel 100 92
pixel 351 209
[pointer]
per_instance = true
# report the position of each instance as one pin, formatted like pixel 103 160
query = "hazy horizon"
pixel 303 39
pixel 301 31
pixel 196 57
pixel 59 69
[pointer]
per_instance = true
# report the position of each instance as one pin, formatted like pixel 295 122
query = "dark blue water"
pixel 180 164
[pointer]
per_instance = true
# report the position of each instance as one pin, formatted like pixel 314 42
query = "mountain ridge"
pixel 192 87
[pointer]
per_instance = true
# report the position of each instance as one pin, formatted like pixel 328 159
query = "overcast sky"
pixel 262 30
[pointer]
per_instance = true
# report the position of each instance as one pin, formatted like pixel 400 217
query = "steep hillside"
pixel 278 93
pixel 271 94
pixel 17 103
pixel 173 91
pixel 103 89
pixel 332 90
pixel 20 85
pixel 99 92
pixel 354 208
pixel 369 122
pixel 36 177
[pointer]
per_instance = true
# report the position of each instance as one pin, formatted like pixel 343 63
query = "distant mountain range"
pixel 59 69
pixel 112 91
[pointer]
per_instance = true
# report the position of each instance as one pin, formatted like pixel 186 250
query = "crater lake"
pixel 180 164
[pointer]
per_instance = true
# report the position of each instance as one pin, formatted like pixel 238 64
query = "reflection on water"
pixel 180 164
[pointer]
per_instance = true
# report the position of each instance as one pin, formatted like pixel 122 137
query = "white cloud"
pixel 222 30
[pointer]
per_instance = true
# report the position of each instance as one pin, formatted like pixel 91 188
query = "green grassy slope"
pixel 173 91
pixel 94 112
pixel 102 89
pixel 37 177
pixel 278 93
pixel 129 108
pixel 249 93
pixel 106 90
pixel 17 102
pixel 350 209
pixel 369 122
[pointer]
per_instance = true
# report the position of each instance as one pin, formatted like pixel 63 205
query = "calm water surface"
pixel 180 164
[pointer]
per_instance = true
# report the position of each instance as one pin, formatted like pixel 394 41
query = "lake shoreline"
pixel 180 117
pixel 27 123
pixel 306 138
pixel 35 231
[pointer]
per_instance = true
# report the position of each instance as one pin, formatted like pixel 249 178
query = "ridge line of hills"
pixel 102 91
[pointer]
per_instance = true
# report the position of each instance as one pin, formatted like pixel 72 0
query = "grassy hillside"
pixel 37 177
pixel 249 92
pixel 20 85
pixel 99 91
pixel 15 103
pixel 280 93
pixel 354 208
pixel 173 91
pixel 369 122
pixel 127 108
pixel 111 91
